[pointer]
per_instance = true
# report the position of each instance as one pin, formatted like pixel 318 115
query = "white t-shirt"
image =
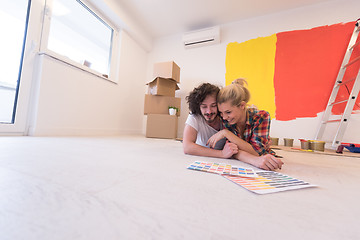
pixel 204 131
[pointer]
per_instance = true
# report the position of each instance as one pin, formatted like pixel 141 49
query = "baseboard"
pixel 82 132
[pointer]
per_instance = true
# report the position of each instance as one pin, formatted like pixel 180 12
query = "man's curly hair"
pixel 198 95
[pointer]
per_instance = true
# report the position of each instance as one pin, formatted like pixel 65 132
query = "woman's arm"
pixel 242 145
pixel 190 147
pixel 266 162
pixel 259 132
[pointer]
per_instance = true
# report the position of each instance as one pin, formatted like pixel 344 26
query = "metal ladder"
pixel 343 121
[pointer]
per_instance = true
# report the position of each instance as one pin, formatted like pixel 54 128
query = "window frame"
pixel 114 48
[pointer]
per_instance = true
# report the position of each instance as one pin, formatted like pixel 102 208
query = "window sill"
pixel 76 65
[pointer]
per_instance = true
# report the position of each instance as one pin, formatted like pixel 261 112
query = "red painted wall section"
pixel 306 66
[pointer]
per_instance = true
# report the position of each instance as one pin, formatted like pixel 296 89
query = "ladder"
pixel 343 121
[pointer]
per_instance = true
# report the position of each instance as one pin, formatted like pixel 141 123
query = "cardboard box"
pixel 163 87
pixel 167 70
pixel 161 126
pixel 160 104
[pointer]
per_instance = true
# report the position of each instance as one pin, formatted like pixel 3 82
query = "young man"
pixel 203 122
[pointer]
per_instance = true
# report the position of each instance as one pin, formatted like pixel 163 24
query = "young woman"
pixel 248 128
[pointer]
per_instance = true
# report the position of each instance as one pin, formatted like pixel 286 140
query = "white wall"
pixel 69 101
pixel 117 14
pixel 207 64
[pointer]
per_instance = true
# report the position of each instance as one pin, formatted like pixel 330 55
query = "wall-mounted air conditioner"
pixel 202 37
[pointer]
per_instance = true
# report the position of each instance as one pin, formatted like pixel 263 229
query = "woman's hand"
pixel 268 162
pixel 215 138
pixel 229 150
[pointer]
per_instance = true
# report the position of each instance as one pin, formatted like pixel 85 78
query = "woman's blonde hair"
pixel 236 92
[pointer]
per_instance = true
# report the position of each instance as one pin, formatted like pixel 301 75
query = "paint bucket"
pixel 274 141
pixel 288 142
pixel 317 145
pixel 305 144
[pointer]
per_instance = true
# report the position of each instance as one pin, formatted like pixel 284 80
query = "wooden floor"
pixel 132 187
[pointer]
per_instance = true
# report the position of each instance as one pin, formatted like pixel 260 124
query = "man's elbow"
pixel 187 148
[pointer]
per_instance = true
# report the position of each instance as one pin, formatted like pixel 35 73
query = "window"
pixel 77 34
pixel 13 23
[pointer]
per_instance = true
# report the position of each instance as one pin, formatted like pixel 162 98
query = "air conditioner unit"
pixel 203 37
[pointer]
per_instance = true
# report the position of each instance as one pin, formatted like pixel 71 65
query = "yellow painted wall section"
pixel 254 60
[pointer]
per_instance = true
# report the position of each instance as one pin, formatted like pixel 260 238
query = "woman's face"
pixel 232 114
pixel 208 108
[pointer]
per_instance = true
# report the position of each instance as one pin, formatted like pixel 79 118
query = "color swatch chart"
pixel 269 182
pixel 222 168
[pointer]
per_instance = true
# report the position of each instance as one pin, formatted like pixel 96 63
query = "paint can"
pixel 288 142
pixel 317 145
pixel 274 141
pixel 305 144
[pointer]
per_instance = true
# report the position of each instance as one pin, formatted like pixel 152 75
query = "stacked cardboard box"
pixel 161 95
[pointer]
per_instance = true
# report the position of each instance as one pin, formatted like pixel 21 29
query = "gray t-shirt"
pixel 204 131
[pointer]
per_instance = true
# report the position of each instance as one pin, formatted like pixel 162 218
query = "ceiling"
pixel 166 17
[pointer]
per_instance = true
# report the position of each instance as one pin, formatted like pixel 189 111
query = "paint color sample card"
pixel 222 168
pixel 269 182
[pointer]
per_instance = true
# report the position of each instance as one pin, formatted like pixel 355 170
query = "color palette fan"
pixel 222 168
pixel 260 182
pixel 269 182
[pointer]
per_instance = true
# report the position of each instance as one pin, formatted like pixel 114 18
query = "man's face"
pixel 208 108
